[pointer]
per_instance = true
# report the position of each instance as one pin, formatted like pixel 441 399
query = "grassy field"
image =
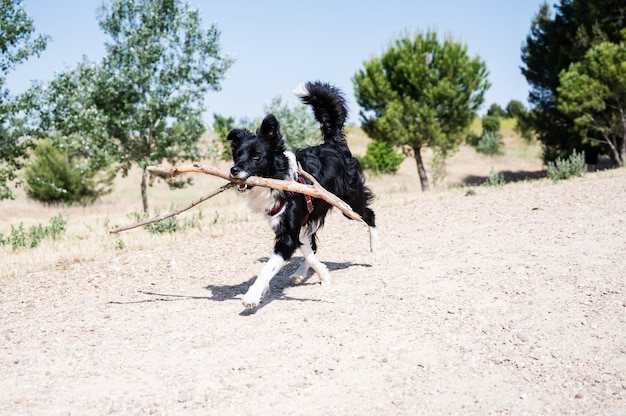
pixel 86 235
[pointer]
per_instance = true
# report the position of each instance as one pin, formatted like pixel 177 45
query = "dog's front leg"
pixel 252 298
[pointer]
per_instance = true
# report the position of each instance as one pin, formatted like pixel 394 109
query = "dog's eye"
pixel 256 157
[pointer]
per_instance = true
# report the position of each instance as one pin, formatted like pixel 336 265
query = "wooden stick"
pixel 315 190
pixel 176 212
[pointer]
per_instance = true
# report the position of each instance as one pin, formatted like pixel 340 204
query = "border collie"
pixel 296 218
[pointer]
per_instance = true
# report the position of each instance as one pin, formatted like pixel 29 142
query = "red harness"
pixel 309 204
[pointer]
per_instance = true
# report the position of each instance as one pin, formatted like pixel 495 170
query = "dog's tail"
pixel 329 108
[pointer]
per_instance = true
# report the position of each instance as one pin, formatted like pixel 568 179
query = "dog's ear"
pixel 270 127
pixel 236 135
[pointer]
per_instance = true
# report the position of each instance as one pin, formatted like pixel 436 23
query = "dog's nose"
pixel 234 171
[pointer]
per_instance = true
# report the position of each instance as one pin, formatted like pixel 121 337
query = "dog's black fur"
pixel 330 163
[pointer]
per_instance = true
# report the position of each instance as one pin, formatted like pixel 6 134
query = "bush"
pixel 573 166
pixel 490 144
pixel 495 179
pixel 20 237
pixel 168 225
pixel 496 111
pixel 472 139
pixel 380 157
pixel 53 177
pixel 515 109
pixel 491 123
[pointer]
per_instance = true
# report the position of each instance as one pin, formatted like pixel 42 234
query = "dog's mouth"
pixel 243 188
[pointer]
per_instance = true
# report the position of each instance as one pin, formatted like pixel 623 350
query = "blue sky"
pixel 278 44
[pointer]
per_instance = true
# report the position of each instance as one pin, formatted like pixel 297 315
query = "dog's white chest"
pixel 261 199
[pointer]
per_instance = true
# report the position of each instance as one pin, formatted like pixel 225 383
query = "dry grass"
pixel 86 236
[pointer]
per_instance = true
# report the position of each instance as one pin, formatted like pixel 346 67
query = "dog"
pixel 296 218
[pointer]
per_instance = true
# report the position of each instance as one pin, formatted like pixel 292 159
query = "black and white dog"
pixel 296 218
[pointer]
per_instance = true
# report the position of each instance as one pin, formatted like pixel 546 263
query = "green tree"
pixel 17 44
pixel 496 111
pixel 160 65
pixel 297 125
pixel 221 127
pixel 421 93
pixel 523 126
pixel 491 123
pixel 515 108
pixel 555 41
pixel 72 117
pixel 593 92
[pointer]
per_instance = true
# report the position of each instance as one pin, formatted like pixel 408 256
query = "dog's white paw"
pixel 324 275
pixel 252 299
pixel 250 303
pixel 296 279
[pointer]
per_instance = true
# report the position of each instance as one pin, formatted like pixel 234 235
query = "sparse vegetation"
pixel 168 225
pixel 20 237
pixel 571 167
pixel 495 179
pixel 490 144
pixel 381 157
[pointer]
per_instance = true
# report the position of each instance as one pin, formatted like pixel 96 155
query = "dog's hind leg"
pixel 253 296
pixel 311 261
pixel 299 275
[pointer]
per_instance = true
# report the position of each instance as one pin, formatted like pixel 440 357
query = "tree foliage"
pixel 515 108
pixel 160 65
pixel 495 110
pixel 297 124
pixel 421 93
pixel 17 43
pixel 143 103
pixel 381 157
pixel 555 42
pixel 593 92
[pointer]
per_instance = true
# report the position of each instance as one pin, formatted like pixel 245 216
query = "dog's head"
pixel 255 154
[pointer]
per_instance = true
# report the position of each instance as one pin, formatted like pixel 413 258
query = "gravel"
pixel 509 301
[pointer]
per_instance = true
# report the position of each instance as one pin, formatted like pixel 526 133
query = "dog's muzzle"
pixel 236 172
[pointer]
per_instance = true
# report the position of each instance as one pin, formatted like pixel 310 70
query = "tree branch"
pixel 172 213
pixel 316 190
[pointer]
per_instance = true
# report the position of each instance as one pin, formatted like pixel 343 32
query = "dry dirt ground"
pixel 510 300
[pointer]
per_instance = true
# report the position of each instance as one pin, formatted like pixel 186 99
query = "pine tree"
pixel 421 93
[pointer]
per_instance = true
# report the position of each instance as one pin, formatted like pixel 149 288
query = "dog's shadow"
pixel 278 284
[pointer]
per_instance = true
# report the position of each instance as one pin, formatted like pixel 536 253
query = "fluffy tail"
pixel 329 108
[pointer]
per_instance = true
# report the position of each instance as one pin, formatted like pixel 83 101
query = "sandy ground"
pixel 508 301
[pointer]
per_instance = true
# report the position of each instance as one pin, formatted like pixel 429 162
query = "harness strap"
pixel 309 201
pixel 309 204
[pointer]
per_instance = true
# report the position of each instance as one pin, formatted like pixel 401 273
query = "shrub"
pixel 495 179
pixel 573 166
pixel 168 225
pixel 515 108
pixel 472 139
pixel 53 177
pixel 490 123
pixel 20 237
pixel 496 111
pixel 380 157
pixel 490 144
